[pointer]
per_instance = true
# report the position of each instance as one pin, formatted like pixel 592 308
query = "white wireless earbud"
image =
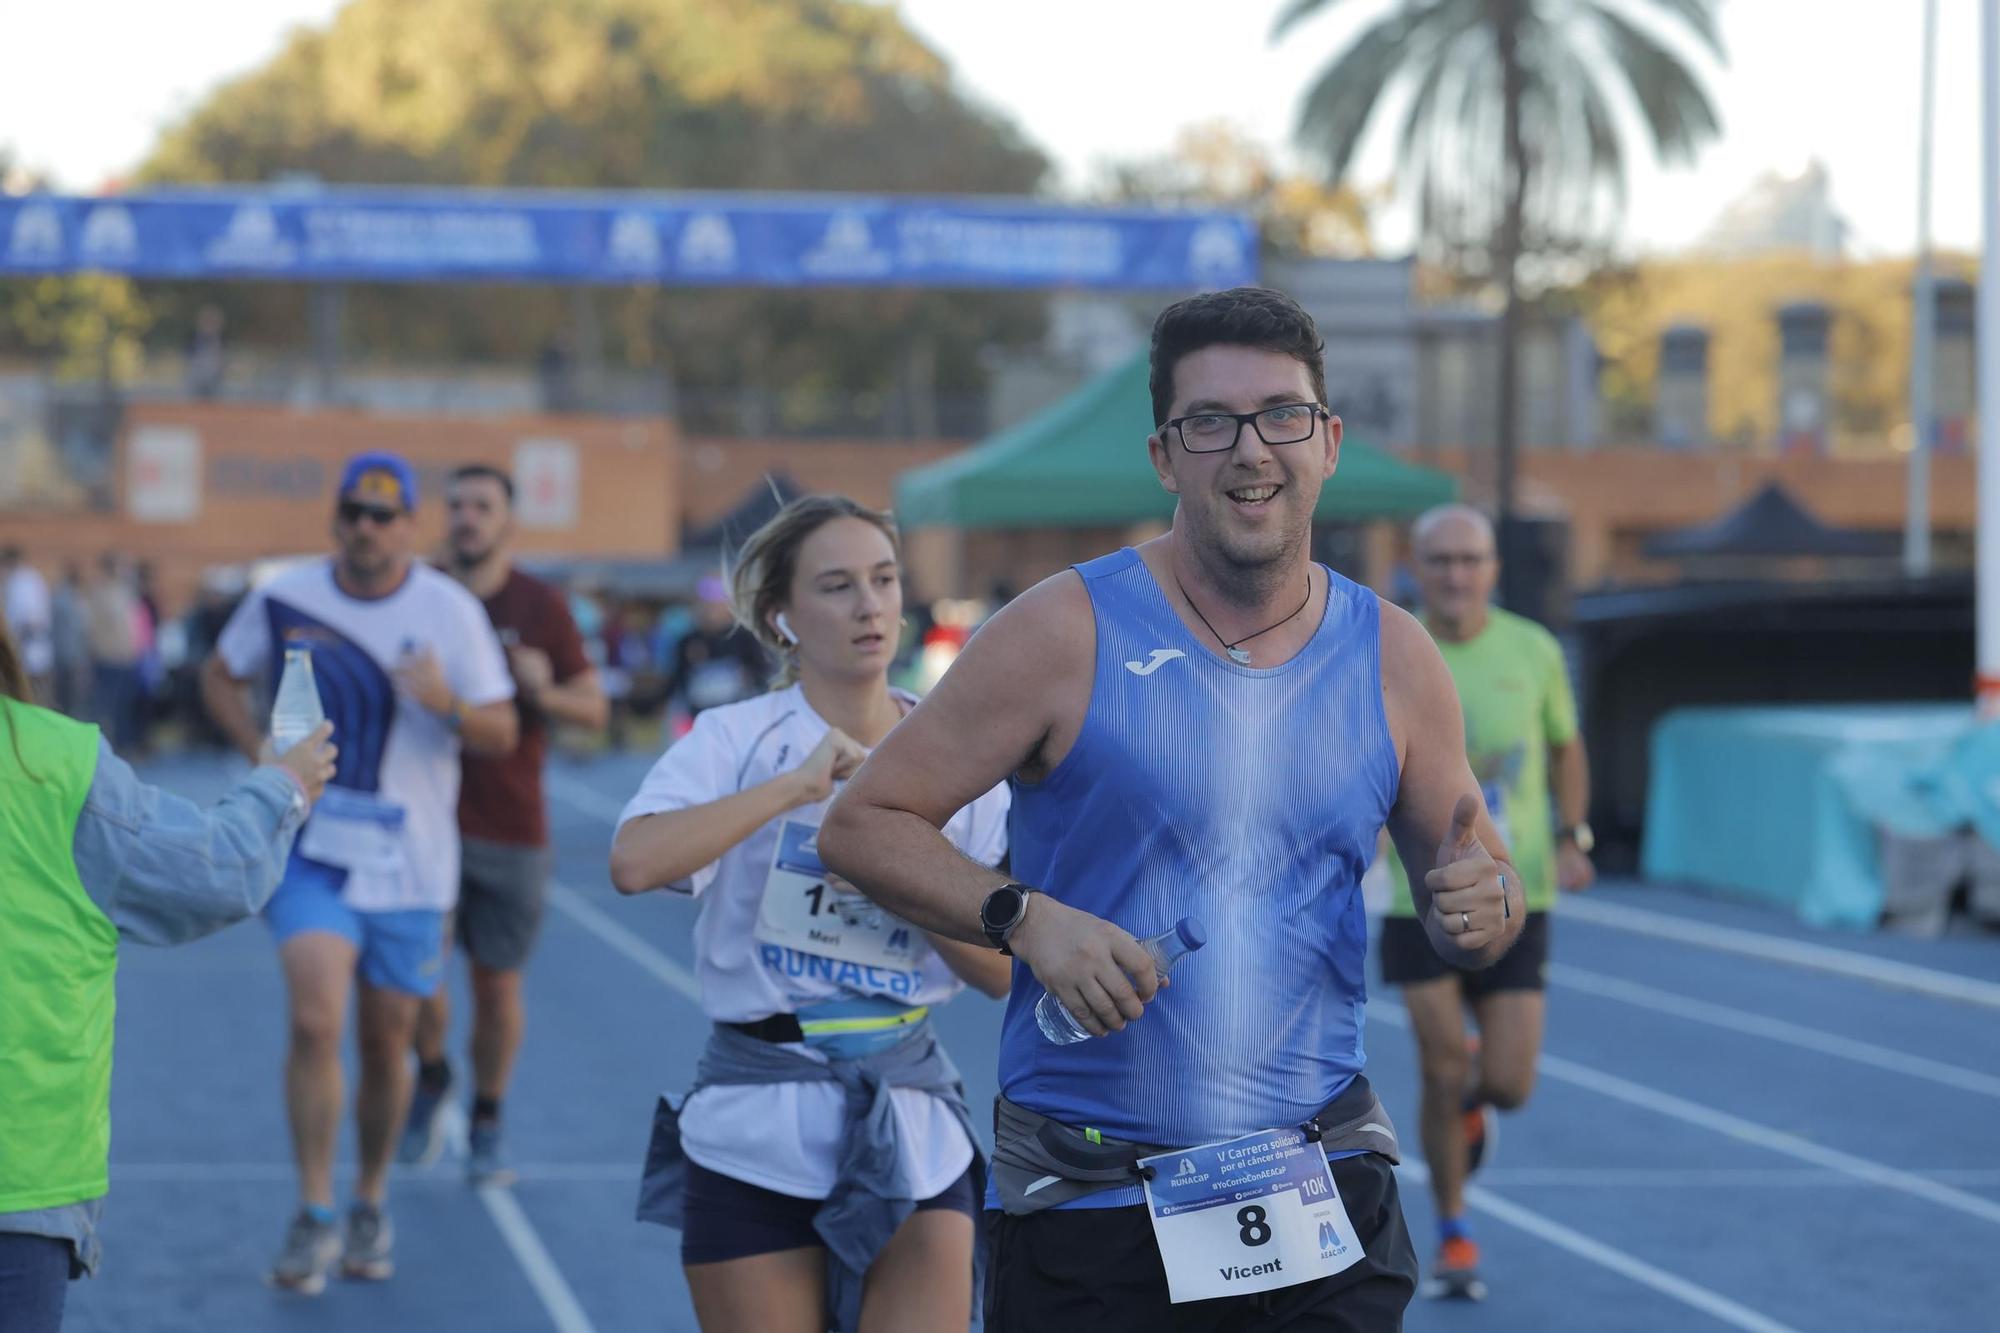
pixel 785 630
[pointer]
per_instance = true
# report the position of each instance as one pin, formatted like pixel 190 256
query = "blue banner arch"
pixel 380 234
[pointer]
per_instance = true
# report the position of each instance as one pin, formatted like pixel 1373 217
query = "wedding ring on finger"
pixel 1464 922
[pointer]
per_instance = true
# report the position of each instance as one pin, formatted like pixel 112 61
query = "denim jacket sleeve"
pixel 167 871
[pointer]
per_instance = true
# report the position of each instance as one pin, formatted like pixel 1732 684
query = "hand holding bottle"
pixel 311 760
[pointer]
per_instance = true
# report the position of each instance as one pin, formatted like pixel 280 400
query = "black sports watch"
pixel 1002 912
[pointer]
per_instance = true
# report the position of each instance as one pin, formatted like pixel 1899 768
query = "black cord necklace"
pixel 1237 654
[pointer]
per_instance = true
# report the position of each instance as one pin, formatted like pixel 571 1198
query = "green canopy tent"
pixel 1082 463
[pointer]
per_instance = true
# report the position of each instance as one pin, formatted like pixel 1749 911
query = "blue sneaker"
pixel 368 1254
pixel 487 1162
pixel 312 1247
pixel 423 1132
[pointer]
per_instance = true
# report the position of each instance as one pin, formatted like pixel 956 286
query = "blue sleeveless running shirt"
pixel 1247 798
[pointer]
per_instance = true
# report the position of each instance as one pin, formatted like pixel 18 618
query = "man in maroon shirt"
pixel 502 825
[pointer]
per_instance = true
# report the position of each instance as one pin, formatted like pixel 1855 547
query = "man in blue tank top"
pixel 1210 725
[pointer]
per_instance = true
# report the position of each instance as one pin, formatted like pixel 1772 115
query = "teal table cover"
pixel 1786 805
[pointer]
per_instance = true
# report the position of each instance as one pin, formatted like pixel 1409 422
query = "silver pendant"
pixel 1240 656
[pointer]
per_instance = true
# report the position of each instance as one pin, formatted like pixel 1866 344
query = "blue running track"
pixel 1722 1137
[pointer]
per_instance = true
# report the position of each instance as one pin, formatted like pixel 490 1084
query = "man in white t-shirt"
pixel 409 670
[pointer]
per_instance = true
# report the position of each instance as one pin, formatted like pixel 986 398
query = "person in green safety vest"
pixel 90 856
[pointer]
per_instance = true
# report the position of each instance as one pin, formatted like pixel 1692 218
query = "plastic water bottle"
pixel 1168 947
pixel 296 712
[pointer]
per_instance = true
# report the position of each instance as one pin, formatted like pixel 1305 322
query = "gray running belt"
pixel 1039 1163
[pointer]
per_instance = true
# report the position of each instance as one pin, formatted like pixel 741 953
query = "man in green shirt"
pixel 1521 738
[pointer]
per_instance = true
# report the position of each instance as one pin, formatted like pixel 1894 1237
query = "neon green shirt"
pixel 1514 688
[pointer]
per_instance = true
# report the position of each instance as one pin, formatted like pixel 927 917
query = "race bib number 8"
pixel 1248 1215
pixel 809 909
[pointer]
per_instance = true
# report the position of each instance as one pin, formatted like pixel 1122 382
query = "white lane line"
pixel 1535 1177
pixel 259 1173
pixel 583 798
pixel 533 1256
pixel 1776 949
pixel 587 914
pixel 1748 1131
pixel 1776 1029
pixel 1691 1294
pixel 1712 1177
pixel 519 1233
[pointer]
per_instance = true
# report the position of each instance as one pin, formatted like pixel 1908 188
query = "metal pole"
pixel 326 312
pixel 1988 332
pixel 1923 412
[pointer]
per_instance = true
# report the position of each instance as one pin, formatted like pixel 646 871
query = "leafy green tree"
pixel 1214 165
pixel 625 94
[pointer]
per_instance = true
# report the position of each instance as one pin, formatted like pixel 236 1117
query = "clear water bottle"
pixel 1168 947
pixel 296 712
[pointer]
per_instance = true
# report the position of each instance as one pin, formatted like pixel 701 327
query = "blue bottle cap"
pixel 1191 933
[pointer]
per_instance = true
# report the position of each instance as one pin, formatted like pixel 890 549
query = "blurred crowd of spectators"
pixel 669 660
pixel 99 648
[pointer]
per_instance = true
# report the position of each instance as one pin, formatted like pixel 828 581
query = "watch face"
pixel 1002 908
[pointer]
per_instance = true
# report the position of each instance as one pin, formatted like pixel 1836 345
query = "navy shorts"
pixel 726 1218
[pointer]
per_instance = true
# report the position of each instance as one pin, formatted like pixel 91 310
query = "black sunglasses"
pixel 353 511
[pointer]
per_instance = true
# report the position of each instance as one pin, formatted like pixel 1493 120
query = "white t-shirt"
pixel 786 1137
pixel 397 758
pixel 28 614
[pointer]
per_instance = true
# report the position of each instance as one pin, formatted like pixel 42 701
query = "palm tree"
pixel 1509 140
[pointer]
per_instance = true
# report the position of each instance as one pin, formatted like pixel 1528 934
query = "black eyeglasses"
pixel 353 511
pixel 1214 432
pixel 1453 559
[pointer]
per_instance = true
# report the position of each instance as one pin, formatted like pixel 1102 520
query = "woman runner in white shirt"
pixel 796 1207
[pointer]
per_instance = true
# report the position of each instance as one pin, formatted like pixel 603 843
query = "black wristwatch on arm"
pixel 1002 912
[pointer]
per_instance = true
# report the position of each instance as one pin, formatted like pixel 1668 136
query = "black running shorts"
pixel 727 1218
pixel 1408 958
pixel 1097 1270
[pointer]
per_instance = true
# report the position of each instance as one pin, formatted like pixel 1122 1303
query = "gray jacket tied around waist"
pixel 872 1195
